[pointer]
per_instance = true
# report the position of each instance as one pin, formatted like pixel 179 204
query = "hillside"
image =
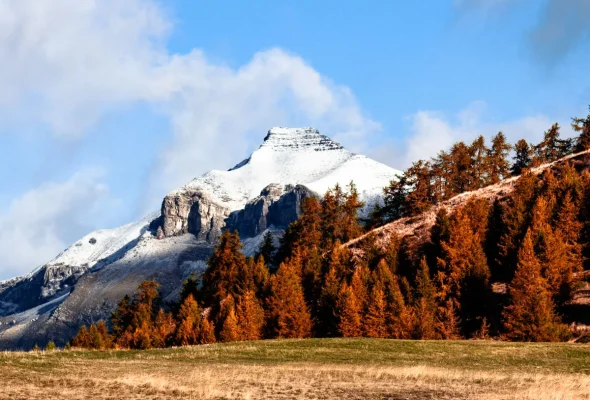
pixel 418 227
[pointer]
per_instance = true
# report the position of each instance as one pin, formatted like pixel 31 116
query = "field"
pixel 306 369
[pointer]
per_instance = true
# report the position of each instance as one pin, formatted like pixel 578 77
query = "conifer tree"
pixel 206 332
pixel 230 332
pixel 498 164
pixel 250 317
pixel 164 328
pixel 224 276
pixel 516 218
pixel 375 322
pixel 82 339
pixel 459 178
pixel 530 315
pixel 188 319
pixel 424 304
pixel 400 319
pixel 447 322
pixel 328 303
pixel 420 197
pixel 350 209
pixel 349 312
pixel 122 316
pixel 106 338
pixel 190 287
pixel 259 276
pixel 305 233
pixel 569 229
pixel 582 125
pixel 551 148
pixel 479 163
pixel 463 271
pixel 523 157
pixel 359 283
pixel 267 248
pixel 288 313
pixel 96 340
pixel 394 198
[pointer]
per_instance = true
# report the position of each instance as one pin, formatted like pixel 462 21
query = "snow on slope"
pixel 294 156
pixel 287 156
pixel 101 244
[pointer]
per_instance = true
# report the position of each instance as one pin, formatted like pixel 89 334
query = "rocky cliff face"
pixel 193 211
pixel 277 206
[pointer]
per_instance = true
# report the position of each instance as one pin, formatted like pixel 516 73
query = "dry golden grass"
pixel 295 370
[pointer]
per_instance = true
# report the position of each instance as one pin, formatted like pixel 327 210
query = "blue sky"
pixel 107 105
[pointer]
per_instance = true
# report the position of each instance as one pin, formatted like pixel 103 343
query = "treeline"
pixel 437 287
pixel 473 166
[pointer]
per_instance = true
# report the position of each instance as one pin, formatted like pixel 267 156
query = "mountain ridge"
pixel 260 194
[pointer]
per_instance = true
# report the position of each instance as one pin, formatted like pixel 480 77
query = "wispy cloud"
pixel 562 28
pixel 40 223
pixel 68 63
pixel 431 131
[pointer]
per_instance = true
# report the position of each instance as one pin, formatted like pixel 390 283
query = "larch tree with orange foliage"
pixel 424 304
pixel 349 312
pixel 530 315
pixel 375 320
pixel 250 317
pixel 289 315
pixel 224 275
pixel 189 316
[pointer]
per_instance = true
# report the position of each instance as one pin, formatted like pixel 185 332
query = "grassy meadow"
pixel 306 369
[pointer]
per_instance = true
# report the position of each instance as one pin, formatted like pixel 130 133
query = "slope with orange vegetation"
pixel 418 227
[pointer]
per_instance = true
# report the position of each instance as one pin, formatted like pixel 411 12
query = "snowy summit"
pixel 295 156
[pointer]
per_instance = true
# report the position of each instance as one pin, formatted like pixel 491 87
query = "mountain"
pixel 262 193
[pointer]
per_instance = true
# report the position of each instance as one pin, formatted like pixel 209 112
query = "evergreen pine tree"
pixel 394 198
pixel 582 125
pixel 523 157
pixel 267 248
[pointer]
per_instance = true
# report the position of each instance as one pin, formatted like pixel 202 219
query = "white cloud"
pixel 67 62
pixel 562 28
pixel 44 221
pixel 432 131
pixel 219 112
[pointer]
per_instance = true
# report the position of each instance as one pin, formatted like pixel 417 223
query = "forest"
pixel 504 269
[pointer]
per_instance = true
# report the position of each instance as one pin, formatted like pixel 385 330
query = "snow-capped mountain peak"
pixel 293 139
pixel 293 156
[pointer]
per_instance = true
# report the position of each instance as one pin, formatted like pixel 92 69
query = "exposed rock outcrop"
pixel 193 211
pixel 277 206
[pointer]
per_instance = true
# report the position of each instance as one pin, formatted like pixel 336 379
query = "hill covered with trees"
pixel 477 242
